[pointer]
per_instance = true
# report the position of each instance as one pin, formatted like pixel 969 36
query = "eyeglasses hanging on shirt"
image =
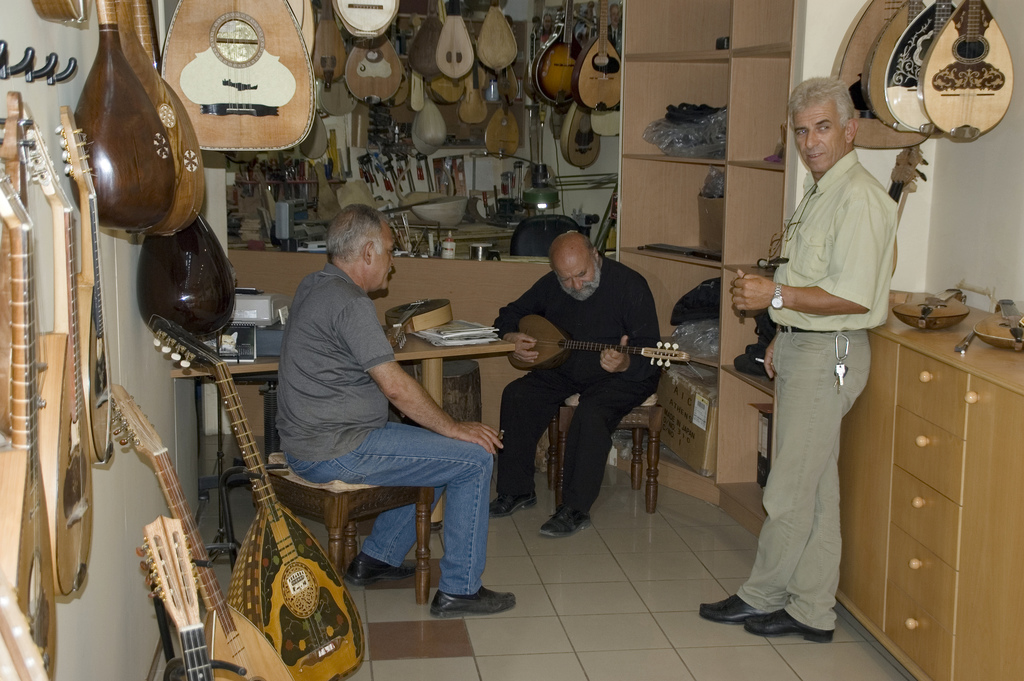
pixel 774 258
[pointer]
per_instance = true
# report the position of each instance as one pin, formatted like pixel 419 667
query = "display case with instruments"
pixel 670 57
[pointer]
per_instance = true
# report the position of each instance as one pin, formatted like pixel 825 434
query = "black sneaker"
pixel 483 602
pixel 565 522
pixel 506 504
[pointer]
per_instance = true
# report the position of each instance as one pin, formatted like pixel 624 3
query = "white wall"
pixel 107 629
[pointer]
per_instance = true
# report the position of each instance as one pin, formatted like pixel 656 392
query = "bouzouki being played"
pixel 580 320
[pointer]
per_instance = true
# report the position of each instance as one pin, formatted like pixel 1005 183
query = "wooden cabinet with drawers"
pixel 932 487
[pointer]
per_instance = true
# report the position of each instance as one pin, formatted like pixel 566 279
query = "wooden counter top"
pixel 1001 366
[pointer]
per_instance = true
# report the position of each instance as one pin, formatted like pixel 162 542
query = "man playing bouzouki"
pixel 592 299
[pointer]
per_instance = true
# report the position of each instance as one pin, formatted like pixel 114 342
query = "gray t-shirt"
pixel 327 402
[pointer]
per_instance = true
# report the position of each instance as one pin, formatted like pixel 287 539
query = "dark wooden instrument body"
pixel 187 278
pixel 190 182
pixel 131 158
pixel 423 49
pixel 938 312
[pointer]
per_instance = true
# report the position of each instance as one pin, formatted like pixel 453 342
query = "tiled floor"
pixel 617 601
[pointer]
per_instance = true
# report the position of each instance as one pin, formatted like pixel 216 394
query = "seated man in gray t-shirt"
pixel 337 375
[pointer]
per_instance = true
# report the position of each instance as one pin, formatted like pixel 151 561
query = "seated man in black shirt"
pixel 592 299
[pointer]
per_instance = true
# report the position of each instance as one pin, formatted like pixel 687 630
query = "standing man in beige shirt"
pixel 832 287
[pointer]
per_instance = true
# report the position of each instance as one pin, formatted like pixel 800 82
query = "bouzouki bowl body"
pixel 248 69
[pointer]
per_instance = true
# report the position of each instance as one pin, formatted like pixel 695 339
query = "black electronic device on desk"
pixel 687 251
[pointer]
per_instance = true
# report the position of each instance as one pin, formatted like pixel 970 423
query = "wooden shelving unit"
pixel 670 57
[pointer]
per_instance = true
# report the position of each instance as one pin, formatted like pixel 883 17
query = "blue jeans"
pixel 400 455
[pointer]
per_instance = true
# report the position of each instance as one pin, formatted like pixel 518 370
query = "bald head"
pixel 576 263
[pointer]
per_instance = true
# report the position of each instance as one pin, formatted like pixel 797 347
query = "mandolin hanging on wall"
pixel 131 155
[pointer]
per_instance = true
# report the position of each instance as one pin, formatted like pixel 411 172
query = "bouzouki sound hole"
pixel 301 592
pixel 237 40
pixel 970 49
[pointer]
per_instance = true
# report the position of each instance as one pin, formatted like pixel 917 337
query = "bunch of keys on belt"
pixel 841 359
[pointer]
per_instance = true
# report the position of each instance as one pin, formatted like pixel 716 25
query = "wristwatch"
pixel 777 298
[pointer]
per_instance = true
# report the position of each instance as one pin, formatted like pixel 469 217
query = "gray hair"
pixel 821 91
pixel 351 229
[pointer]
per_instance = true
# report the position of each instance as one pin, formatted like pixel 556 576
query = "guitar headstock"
pixel 181 346
pixel 76 155
pixel 665 353
pixel 40 167
pixel 131 425
pixel 906 168
pixel 171 570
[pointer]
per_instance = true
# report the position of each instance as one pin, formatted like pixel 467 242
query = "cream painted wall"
pixel 963 226
pixel 107 630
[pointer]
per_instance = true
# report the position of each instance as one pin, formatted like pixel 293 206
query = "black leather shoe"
pixel 364 570
pixel 506 504
pixel 781 623
pixel 483 602
pixel 565 522
pixel 733 610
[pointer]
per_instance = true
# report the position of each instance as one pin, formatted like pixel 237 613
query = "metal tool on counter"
pixel 961 347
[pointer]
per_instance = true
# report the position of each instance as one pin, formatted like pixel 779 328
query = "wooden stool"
pixel 646 417
pixel 340 506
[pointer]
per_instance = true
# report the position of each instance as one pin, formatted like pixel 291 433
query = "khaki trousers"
pixel 798 552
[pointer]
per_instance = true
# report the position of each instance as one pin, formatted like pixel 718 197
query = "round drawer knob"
pixel 925 376
pixel 917 502
pixel 911 623
pixel 922 441
pixel 915 563
pixel 971 397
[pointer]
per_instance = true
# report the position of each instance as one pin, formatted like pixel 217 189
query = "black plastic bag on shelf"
pixel 691 130
pixel 700 302
pixel 752 361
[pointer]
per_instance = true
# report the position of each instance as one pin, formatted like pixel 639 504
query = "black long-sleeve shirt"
pixel 621 305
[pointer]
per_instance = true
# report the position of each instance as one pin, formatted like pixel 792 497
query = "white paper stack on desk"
pixel 458 332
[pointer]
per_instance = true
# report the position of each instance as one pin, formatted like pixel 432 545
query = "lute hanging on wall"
pixel 24 521
pixel 132 161
pixel 967 75
pixel 596 73
pixel 64 442
pixel 242 72
pixel 871 132
pixel 90 295
pixel 135 28
pixel 454 45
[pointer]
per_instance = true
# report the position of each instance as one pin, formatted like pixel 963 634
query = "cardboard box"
pixel 711 217
pixel 689 395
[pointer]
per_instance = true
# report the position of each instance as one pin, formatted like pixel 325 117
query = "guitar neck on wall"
pixel 228 633
pixel 283 581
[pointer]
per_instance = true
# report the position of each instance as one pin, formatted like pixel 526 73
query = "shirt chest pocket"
pixel 810 256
